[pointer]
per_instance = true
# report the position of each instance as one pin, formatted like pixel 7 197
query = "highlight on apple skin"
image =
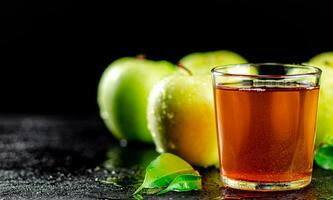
pixel 325 109
pixel 123 95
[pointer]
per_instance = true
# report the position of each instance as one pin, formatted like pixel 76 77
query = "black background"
pixel 52 53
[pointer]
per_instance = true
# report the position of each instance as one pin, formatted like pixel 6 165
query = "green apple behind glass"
pixel 202 62
pixel 325 110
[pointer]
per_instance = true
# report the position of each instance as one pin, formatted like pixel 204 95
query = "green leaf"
pixel 324 156
pixel 138 197
pixel 330 140
pixel 183 183
pixel 163 170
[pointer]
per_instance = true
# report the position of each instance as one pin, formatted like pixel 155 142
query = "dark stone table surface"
pixel 67 157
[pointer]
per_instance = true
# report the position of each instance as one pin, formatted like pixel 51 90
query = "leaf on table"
pixel 163 170
pixel 183 183
pixel 324 156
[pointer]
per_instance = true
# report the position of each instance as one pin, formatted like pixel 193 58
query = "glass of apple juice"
pixel 266 122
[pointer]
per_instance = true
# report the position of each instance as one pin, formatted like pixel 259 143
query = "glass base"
pixel 265 186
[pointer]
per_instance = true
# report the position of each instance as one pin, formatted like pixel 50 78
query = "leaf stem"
pixel 140 56
pixel 138 190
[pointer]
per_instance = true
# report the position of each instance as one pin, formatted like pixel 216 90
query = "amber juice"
pixel 266 134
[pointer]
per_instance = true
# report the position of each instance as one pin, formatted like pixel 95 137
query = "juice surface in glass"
pixel 266 134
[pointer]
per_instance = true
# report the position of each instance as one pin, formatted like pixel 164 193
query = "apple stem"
pixel 141 56
pixel 183 67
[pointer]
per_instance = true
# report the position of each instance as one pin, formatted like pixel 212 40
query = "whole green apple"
pixel 202 63
pixel 181 118
pixel 325 110
pixel 123 95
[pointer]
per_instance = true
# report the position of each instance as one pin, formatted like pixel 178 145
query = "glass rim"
pixel 317 71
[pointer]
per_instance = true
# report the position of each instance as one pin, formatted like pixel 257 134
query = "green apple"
pixel 181 118
pixel 123 95
pixel 202 63
pixel 325 112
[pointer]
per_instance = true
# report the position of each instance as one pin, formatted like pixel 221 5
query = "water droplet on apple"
pixel 170 115
pixel 172 145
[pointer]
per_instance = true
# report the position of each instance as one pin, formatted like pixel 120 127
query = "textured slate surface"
pixel 69 157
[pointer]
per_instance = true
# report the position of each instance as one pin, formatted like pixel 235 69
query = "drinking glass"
pixel 266 122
